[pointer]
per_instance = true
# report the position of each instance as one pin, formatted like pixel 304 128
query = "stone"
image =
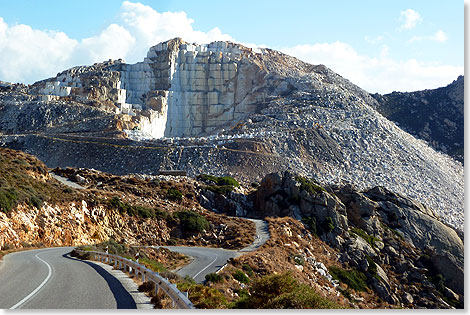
pixel 451 294
pixel 407 298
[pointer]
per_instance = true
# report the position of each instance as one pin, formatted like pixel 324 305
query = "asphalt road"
pixel 208 260
pixel 49 279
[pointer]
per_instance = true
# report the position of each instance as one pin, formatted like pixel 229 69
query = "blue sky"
pixel 381 46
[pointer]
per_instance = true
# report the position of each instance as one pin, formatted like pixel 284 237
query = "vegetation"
pixel 310 185
pixel 192 221
pixel 19 182
pixel 174 194
pixel 221 185
pixel 282 291
pixel 221 190
pixel 355 279
pixel 248 270
pixel 213 277
pixel 297 259
pixel 370 239
pixel 219 181
pixel 132 210
pixel 311 223
pixel 240 276
pixel 203 296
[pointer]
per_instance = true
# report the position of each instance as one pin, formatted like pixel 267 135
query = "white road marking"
pixel 197 274
pixel 38 288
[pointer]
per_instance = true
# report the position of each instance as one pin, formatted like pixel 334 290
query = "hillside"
pixel 436 116
pixel 343 247
pixel 225 109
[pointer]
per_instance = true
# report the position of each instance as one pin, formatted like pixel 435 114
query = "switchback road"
pixel 208 260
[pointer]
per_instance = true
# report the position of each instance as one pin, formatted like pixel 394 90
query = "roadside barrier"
pixel 179 298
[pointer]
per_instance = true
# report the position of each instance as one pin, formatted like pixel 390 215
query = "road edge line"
pixel 38 288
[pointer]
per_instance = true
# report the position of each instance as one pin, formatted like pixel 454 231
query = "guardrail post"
pixel 143 276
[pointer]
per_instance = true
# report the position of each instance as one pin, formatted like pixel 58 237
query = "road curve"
pixel 208 260
pixel 50 279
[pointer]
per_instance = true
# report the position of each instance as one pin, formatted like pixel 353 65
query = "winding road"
pixel 50 279
pixel 208 260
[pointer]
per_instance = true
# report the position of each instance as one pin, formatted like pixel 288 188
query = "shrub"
pixel 353 278
pixel 152 264
pixel 192 221
pixel 328 225
pixel 174 194
pixel 8 199
pixel 310 185
pixel 122 207
pixel 219 181
pixel 36 201
pixel 213 277
pixel 221 190
pixel 248 270
pixel 203 296
pixel 370 239
pixel 311 223
pixel 240 276
pixel 298 259
pixel 282 291
pixel 147 286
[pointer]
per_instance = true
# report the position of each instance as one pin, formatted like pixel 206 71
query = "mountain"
pixel 225 109
pixel 436 116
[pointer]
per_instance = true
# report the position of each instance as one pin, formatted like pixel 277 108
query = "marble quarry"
pixel 179 90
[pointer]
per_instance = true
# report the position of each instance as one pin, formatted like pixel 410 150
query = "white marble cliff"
pixel 179 90
pixel 190 89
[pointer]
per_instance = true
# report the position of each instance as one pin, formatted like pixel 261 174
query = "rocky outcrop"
pixel 436 116
pixel 385 235
pixel 75 224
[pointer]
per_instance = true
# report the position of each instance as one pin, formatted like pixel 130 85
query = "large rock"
pixel 420 226
pixel 282 194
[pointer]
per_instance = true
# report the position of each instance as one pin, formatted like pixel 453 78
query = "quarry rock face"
pixel 179 90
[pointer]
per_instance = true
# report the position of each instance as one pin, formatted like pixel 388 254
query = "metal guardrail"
pixel 179 299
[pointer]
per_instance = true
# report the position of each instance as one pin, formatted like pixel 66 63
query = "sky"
pixel 381 46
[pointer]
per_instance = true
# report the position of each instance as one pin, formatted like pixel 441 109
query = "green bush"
pixel 221 190
pixel 328 225
pixel 219 181
pixel 311 223
pixel 298 259
pixel 152 264
pixel 203 296
pixel 8 199
pixel 310 185
pixel 36 201
pixel 192 221
pixel 353 278
pixel 122 207
pixel 240 276
pixel 282 291
pixel 213 277
pixel 370 239
pixel 248 270
pixel 174 194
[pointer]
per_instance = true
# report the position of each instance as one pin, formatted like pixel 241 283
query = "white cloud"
pixel 376 74
pixel 28 55
pixel 150 27
pixel 409 18
pixel 440 37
